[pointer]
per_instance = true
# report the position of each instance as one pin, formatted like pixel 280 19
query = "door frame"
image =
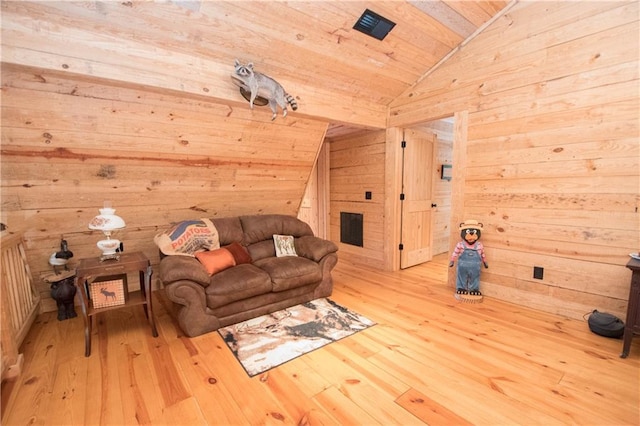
pixel 460 130
pixel 393 188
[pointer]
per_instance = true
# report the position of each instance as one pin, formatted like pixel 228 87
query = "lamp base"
pixel 112 256
pixel 109 247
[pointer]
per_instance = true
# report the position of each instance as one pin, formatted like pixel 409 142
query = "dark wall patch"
pixel 107 171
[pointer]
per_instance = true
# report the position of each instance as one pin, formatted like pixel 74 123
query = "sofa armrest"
pixel 193 315
pixel 176 268
pixel 314 248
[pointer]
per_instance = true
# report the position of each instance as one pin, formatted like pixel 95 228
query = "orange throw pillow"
pixel 216 261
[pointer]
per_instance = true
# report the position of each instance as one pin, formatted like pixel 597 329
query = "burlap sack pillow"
pixel 188 237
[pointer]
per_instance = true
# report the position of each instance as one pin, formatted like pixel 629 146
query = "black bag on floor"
pixel 605 324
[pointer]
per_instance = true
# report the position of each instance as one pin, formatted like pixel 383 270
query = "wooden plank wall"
pixel 552 160
pixel 356 166
pixel 168 46
pixel 69 144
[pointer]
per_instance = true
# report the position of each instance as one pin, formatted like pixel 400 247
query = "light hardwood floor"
pixel 429 360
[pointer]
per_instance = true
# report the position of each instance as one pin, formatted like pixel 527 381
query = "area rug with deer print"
pixel 265 342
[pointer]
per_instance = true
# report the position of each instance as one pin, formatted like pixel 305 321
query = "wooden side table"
pixel 632 325
pixel 90 269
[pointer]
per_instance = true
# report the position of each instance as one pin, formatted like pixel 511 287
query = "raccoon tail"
pixel 291 101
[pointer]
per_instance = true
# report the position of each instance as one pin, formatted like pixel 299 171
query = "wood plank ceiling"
pixel 308 46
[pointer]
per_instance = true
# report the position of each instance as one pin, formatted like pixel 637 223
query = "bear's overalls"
pixel 469 263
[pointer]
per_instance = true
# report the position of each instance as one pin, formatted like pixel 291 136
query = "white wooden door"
pixel 417 197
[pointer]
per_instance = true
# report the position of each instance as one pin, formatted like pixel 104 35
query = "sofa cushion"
pixel 290 272
pixel 229 229
pixel 262 249
pixel 217 260
pixel 262 227
pixel 237 283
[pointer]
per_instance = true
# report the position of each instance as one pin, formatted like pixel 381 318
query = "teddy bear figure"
pixel 470 255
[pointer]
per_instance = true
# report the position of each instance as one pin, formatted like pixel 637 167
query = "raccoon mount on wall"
pixel 262 86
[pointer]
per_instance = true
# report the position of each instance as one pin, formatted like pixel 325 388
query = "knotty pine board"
pixel 434 42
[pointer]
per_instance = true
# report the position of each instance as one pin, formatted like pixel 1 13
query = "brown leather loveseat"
pixel 264 284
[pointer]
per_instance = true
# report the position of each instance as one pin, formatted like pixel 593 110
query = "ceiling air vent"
pixel 374 25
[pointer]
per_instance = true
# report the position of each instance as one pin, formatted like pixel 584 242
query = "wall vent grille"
pixel 351 228
pixel 374 25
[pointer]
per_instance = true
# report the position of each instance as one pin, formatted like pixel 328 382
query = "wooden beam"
pixel 393 188
pixel 458 183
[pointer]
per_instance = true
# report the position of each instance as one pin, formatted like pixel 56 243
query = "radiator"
pixel 20 303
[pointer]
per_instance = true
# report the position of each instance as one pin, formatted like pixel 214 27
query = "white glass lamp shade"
pixel 107 221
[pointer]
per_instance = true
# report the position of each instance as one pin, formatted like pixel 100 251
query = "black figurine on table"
pixel 63 289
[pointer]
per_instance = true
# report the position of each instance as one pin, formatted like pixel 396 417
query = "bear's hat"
pixel 470 224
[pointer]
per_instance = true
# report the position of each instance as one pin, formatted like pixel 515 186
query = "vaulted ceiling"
pixel 310 47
